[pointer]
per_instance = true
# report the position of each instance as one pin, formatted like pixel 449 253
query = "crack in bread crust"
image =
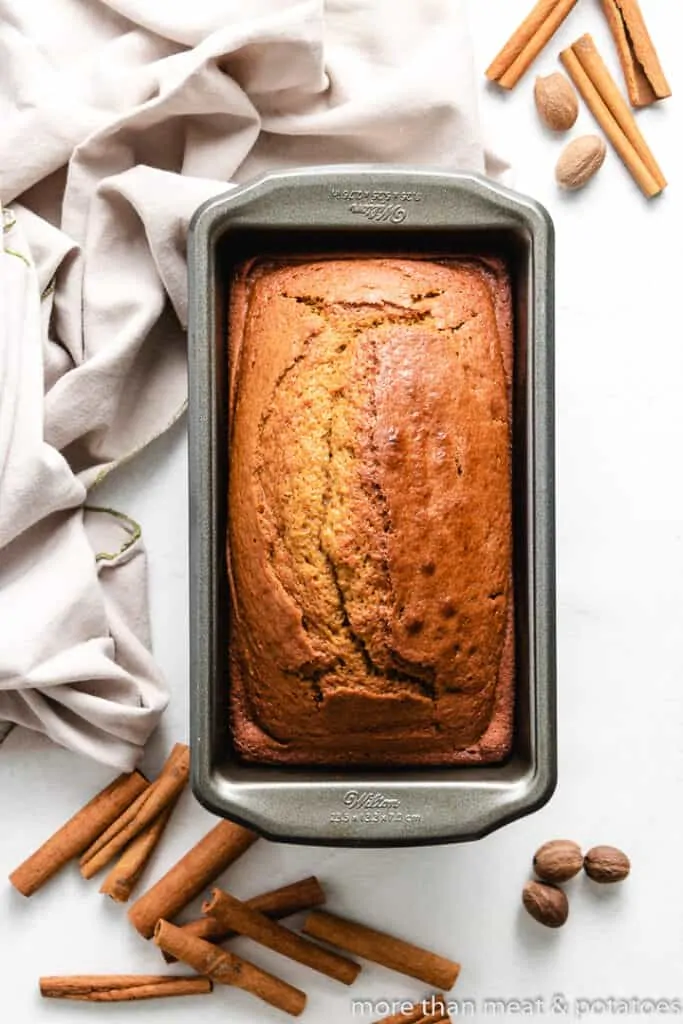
pixel 291 384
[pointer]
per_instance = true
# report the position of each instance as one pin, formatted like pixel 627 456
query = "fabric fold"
pixel 119 118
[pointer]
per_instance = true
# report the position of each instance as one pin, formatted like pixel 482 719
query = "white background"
pixel 620 565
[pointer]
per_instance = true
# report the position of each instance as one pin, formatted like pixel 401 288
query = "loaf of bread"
pixel 369 512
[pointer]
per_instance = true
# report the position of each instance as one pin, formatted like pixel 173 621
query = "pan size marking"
pixel 375 818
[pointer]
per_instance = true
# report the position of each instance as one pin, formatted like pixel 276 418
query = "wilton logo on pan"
pixel 380 212
pixel 369 801
pixel 378 205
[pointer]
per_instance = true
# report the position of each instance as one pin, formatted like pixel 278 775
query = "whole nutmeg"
pixel 558 860
pixel 546 903
pixel 556 102
pixel 606 864
pixel 579 161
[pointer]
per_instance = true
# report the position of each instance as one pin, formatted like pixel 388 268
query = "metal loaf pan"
pixel 377 210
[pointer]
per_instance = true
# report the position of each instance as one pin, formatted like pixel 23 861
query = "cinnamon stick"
pixel 127 815
pixel 526 43
pixel 127 871
pixel 593 80
pixel 382 949
pixel 278 903
pixel 432 1010
pixel 195 871
pixel 119 988
pixel 78 833
pixel 228 969
pixel 645 79
pixel 254 925
pixel 519 39
pixel 598 72
pixel 162 793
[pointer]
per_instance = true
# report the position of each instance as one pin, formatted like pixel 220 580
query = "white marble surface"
pixel 620 556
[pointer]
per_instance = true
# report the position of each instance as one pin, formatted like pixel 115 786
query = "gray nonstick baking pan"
pixel 377 210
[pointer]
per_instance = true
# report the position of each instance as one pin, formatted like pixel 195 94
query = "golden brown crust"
pixel 370 514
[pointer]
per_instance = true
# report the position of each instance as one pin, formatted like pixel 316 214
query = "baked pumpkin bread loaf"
pixel 369 512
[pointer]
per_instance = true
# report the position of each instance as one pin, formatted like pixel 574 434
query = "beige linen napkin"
pixel 117 118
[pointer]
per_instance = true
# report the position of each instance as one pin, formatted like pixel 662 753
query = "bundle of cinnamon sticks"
pixel 125 822
pixel 525 44
pixel 643 73
pixel 590 75
pixel 232 916
pixel 644 77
